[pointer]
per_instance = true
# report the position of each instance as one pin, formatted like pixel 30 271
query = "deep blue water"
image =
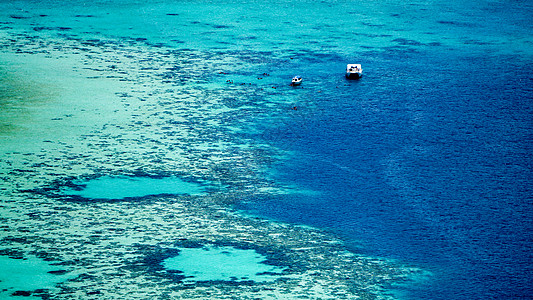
pixel 427 159
pixel 424 160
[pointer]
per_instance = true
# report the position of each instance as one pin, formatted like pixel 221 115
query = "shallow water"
pixel 222 264
pixel 128 187
pixel 28 274
pixel 425 160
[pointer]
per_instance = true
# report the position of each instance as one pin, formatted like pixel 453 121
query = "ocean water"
pixel 425 161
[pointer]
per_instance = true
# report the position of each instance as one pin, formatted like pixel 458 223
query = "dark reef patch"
pixel 455 23
pixel 58 272
pixel 19 17
pixel 11 253
pixel 22 293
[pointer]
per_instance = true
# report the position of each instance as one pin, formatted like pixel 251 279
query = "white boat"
pixel 297 80
pixel 354 71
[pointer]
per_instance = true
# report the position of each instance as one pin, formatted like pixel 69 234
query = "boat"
pixel 354 71
pixel 297 80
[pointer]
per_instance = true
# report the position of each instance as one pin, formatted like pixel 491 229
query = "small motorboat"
pixel 354 71
pixel 297 80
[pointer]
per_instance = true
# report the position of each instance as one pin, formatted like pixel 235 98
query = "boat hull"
pixel 354 75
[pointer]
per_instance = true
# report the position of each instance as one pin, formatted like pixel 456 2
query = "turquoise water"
pixel 426 160
pixel 127 187
pixel 222 264
pixel 27 275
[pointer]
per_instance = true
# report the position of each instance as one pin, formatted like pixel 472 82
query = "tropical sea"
pixel 155 150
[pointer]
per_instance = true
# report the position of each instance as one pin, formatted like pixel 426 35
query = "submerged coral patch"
pixel 222 264
pixel 128 187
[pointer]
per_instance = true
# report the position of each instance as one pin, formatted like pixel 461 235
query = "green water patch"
pixel 122 187
pixel 222 264
pixel 30 276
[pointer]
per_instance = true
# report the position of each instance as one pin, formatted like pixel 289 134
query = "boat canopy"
pixel 355 66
